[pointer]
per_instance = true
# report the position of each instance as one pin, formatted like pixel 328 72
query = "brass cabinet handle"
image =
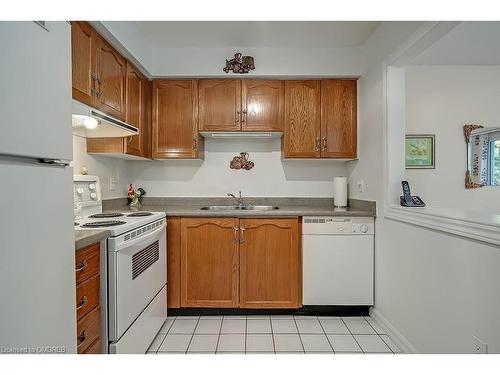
pixel 318 144
pixel 324 144
pixel 93 91
pixel 82 337
pixel 195 143
pixel 244 116
pixel 84 301
pixel 83 267
pixel 238 117
pixel 242 230
pixel 235 234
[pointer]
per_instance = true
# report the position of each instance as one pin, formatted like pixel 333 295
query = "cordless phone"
pixel 407 200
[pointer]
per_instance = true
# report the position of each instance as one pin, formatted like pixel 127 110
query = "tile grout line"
pixel 392 351
pixel 218 337
pixel 166 333
pixel 196 326
pixel 362 350
pixel 298 332
pixel 272 334
pixel 327 339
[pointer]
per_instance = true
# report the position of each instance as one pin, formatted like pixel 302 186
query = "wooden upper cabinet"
pixel 136 115
pixel 338 119
pixel 302 133
pixel 83 39
pixel 175 119
pixel 270 263
pixel 209 261
pixel 220 105
pixel 262 104
pixel 111 79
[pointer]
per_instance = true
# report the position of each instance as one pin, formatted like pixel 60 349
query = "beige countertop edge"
pixel 85 238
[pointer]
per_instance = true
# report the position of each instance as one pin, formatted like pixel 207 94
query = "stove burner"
pixel 100 216
pixel 140 214
pixel 98 224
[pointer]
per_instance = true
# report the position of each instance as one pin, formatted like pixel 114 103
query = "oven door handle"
pixel 147 237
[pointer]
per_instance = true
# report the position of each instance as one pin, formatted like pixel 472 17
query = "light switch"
pixel 361 186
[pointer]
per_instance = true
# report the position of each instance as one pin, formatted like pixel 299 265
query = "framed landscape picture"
pixel 420 151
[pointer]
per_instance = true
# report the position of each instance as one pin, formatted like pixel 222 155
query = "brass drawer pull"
pixel 238 117
pixel 242 240
pixel 84 301
pixel 83 267
pixel 324 144
pixel 235 234
pixel 317 144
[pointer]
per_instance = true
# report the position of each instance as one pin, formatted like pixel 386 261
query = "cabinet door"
pixel 220 105
pixel 338 119
pixel 262 105
pixel 83 39
pixel 175 119
pixel 270 273
pixel 136 108
pixel 301 137
pixel 111 72
pixel 209 262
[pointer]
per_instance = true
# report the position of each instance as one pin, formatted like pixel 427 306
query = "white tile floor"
pixel 271 334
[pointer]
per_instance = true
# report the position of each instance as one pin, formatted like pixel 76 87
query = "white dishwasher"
pixel 338 261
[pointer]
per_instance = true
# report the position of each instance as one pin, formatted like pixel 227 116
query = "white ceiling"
pixel 185 34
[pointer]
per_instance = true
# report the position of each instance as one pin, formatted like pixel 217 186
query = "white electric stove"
pixel 137 267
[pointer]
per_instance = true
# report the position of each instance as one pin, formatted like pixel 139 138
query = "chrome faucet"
pixel 238 199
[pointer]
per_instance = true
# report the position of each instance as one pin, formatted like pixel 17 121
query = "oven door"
pixel 137 272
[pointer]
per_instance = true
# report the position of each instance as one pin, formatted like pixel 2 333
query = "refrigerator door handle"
pixel 55 162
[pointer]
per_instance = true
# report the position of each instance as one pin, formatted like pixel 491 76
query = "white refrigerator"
pixel 37 257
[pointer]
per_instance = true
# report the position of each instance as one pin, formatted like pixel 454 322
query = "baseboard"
pixel 400 340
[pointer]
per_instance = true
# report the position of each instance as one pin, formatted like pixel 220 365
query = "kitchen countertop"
pixel 288 207
pixel 88 237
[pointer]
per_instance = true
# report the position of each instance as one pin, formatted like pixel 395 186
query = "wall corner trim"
pixel 394 334
pixel 474 226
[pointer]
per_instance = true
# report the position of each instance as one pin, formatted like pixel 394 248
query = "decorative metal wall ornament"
pixel 241 162
pixel 239 64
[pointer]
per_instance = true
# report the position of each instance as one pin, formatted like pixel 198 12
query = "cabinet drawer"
pixel 94 348
pixel 87 262
pixel 88 330
pixel 87 296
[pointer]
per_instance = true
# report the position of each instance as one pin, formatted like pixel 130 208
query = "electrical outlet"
pixel 479 347
pixel 361 186
pixel 112 184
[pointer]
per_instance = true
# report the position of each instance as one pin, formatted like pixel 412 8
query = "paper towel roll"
pixel 340 191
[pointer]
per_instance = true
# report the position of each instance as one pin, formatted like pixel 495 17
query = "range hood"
pixel 88 122
pixel 241 134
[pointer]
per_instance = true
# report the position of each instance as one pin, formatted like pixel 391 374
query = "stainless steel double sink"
pixel 239 208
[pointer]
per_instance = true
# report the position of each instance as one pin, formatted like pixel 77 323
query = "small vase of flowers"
pixel 135 197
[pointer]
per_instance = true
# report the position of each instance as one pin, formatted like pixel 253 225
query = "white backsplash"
pixel 212 177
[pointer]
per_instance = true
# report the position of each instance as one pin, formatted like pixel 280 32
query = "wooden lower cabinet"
pixel 88 311
pixel 269 263
pixel 209 262
pixel 231 263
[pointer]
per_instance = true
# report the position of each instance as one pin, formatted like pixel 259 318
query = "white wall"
pixel 308 62
pixel 436 290
pixel 102 166
pixel 212 177
pixel 440 100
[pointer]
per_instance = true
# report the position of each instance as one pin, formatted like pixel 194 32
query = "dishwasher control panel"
pixel 338 225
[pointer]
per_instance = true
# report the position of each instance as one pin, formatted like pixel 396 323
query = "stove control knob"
pixel 363 228
pixel 93 196
pixel 92 186
pixel 79 191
